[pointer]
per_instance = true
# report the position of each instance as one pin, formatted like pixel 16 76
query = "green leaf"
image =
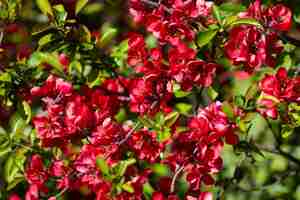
pixel 5 147
pixel 239 101
pixel 246 21
pixel 160 169
pixel 178 92
pixel 107 35
pixel 163 135
pixel 121 115
pixel 203 38
pixel 79 5
pixel 232 8
pixel 122 166
pixel 14 166
pixel 38 58
pixel 75 65
pixel 27 111
pixel 45 39
pixel 148 191
pixel 149 123
pixel 286 131
pixel 128 188
pixel 184 108
pixel 45 7
pixel 228 110
pixel 102 165
pixel 5 77
pixel 17 126
pixel 212 93
pixel 216 14
pixel 60 14
pixel 171 118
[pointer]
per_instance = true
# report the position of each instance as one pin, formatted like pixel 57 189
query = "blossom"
pixel 145 145
pixel 277 17
pixel 35 172
pixel 247 45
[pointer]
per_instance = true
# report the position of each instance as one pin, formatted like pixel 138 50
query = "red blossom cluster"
pixel 71 116
pixel 171 19
pixel 105 158
pixel 253 46
pixel 278 88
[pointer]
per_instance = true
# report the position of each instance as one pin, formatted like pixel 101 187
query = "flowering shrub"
pixel 145 110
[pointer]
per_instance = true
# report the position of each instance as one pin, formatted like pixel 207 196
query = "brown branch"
pixel 156 5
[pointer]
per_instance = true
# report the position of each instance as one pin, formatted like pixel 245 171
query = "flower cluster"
pixel 253 46
pixel 278 88
pixel 104 131
pixel 171 20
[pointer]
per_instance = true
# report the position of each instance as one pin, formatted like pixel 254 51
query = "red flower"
pixel 35 172
pixel 246 45
pixel 14 197
pixel 281 86
pixel 78 115
pixel 32 193
pixel 108 133
pixel 149 94
pixel 279 17
pixel 145 145
pixel 53 87
pixel 50 131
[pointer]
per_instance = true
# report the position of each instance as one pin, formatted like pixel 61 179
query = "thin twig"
pixel 278 147
pixel 130 133
pixel 172 187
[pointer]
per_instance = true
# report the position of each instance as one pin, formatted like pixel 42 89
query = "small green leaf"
pixel 184 108
pixel 14 166
pixel 121 115
pixel 245 21
pixel 102 165
pixel 149 123
pixel 107 35
pixel 148 191
pixel 163 135
pixel 239 101
pixel 212 93
pixel 286 131
pixel 45 7
pixel 5 77
pixel 178 92
pixel 171 118
pixel 75 65
pixel 27 111
pixel 216 14
pixel 45 39
pixel 122 166
pixel 128 188
pixel 203 38
pixel 79 5
pixel 160 169
pixel 60 14
pixel 228 110
pixel 38 58
pixel 232 8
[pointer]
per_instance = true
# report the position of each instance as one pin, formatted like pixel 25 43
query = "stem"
pixel 130 133
pixel 156 5
pixel 278 147
pixel 61 193
pixel 172 188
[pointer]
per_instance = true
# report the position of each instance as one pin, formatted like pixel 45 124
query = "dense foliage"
pixel 149 99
